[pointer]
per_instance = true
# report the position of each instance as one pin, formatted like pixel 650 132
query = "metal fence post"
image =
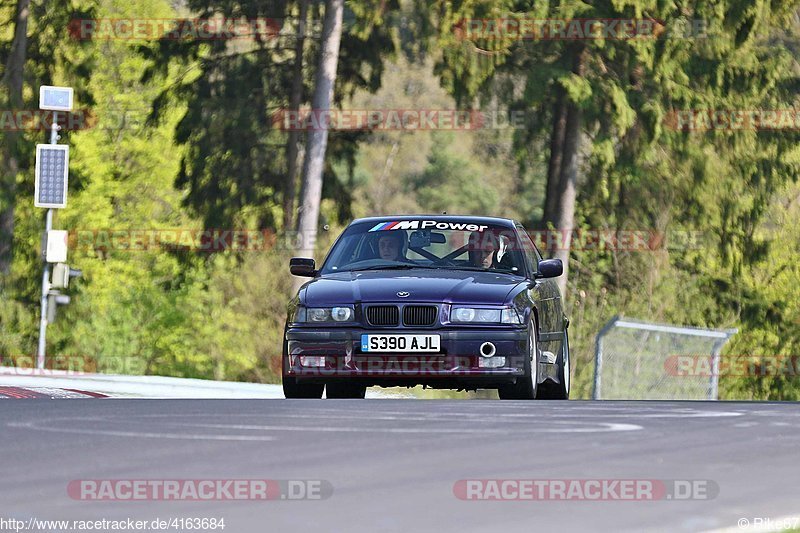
pixel 715 354
pixel 598 357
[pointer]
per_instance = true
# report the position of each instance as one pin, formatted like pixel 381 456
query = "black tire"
pixel 526 387
pixel 292 389
pixel 345 391
pixel 559 391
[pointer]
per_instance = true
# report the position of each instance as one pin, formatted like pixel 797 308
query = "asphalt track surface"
pixel 393 464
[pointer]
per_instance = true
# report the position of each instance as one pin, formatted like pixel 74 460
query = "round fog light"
pixel 488 349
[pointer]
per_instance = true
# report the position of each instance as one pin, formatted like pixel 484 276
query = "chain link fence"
pixel 637 360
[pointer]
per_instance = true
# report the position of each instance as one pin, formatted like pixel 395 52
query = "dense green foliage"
pixel 185 139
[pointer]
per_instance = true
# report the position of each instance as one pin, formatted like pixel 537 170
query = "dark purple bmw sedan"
pixel 440 301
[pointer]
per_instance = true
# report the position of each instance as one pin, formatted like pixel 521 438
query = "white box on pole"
pixel 56 250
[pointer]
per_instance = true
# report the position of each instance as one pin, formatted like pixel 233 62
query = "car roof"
pixel 496 221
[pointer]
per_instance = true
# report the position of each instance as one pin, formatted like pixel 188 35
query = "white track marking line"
pixel 447 415
pixel 41 425
pixel 113 433
pixel 600 427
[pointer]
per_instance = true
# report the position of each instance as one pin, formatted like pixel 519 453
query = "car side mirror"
pixel 302 266
pixel 550 268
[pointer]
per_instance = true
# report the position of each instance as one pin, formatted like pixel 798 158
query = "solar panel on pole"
pixel 52 174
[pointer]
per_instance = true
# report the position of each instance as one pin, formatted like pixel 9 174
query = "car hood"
pixel 448 286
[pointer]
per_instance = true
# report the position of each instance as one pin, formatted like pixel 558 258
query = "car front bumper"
pixel 457 365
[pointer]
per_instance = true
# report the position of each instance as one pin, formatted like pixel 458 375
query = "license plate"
pixel 400 343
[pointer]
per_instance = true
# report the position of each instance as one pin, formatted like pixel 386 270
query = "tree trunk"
pixel 380 202
pixel 314 161
pixel 12 78
pixel 292 145
pixel 10 167
pixel 554 163
pixel 567 190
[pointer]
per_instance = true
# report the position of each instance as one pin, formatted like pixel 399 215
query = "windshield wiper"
pixel 389 267
pixel 465 267
pixel 489 270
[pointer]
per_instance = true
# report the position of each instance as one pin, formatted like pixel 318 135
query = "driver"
pixel 482 248
pixel 391 245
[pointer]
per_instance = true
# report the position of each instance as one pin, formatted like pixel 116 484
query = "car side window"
pixel 531 253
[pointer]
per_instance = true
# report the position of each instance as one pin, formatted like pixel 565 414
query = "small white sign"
pixel 55 98
pixel 56 251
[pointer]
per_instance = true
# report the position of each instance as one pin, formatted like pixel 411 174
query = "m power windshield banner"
pixel 427 224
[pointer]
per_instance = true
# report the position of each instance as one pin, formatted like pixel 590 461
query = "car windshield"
pixel 408 244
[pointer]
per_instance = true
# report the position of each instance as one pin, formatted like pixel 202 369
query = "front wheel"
pixel 560 390
pixel 526 386
pixel 292 389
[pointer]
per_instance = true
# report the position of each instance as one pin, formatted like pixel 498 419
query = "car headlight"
pixel 341 314
pixel 472 315
pixel 323 314
pixel 510 316
pixel 462 314
pixel 299 314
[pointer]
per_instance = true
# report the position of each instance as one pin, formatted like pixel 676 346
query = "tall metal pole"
pixel 48 225
pixel 598 366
